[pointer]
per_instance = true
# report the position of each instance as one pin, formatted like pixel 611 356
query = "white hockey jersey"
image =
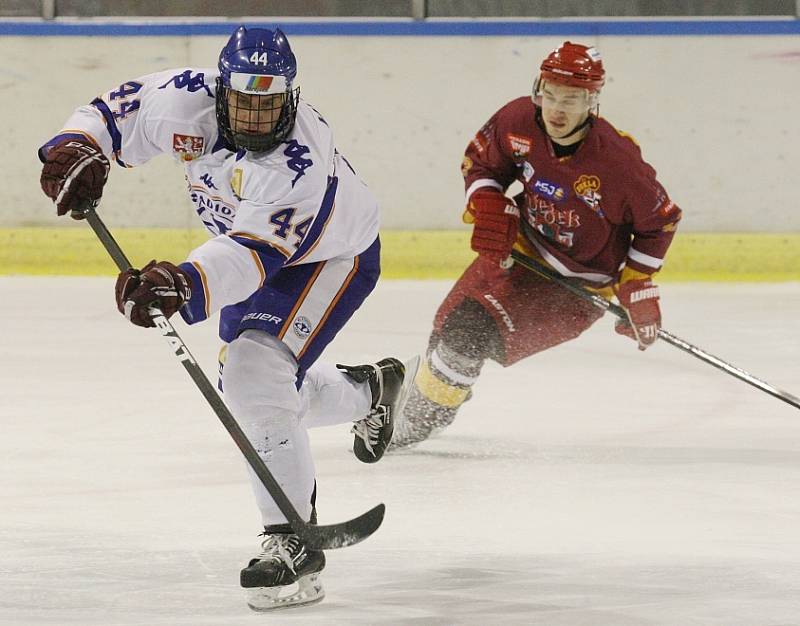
pixel 300 203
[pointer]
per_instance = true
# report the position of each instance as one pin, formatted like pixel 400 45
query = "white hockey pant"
pixel 259 382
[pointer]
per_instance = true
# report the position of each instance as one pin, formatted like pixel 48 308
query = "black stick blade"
pixel 344 534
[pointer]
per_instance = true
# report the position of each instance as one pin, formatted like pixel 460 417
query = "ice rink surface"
pixel 591 485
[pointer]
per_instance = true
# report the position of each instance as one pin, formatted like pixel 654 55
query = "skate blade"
pixel 411 368
pixel 307 590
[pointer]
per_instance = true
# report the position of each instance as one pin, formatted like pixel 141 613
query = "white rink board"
pixel 716 116
pixel 591 484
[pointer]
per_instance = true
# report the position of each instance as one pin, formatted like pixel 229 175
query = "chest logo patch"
pixel 187 147
pixel 588 189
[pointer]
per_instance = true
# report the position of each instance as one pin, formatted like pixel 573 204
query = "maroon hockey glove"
pixel 639 298
pixel 496 222
pixel 157 284
pixel 73 175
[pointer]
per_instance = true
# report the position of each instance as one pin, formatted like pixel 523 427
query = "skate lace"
pixel 280 547
pixel 369 429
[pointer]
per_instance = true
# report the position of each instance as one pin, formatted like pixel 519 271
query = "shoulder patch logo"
pixel 466 166
pixel 187 147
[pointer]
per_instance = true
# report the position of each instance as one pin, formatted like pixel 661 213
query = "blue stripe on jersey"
pixel 111 125
pixel 219 144
pixel 318 227
pixel 271 259
pixel 195 308
pixel 56 140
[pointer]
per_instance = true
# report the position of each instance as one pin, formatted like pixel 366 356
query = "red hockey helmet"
pixel 575 65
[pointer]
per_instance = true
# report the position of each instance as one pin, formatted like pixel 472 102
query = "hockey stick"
pixel 315 537
pixel 600 302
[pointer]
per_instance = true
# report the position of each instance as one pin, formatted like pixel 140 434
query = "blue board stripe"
pixel 429 28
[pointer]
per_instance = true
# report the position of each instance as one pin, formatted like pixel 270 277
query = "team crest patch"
pixel 588 189
pixel 187 147
pixel 520 146
pixel 302 327
pixel 466 166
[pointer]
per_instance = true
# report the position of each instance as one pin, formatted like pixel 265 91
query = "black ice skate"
pixel 285 574
pixel 390 382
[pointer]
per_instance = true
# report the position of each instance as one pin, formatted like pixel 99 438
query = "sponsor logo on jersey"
pixel 187 147
pixel 302 327
pixel 263 317
pixel 549 190
pixel 480 143
pixel 483 138
pixel 209 182
pixel 466 166
pixel 527 171
pixel 520 146
pixel 185 80
pixel 588 189
pixel 557 225
pixel 297 162
pixel 217 215
pixel 664 206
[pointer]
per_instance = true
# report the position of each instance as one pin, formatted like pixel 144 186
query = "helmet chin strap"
pixel 578 128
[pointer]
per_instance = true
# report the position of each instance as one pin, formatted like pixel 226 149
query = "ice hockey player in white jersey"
pixel 294 252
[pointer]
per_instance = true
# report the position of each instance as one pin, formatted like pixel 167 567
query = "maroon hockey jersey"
pixel 588 215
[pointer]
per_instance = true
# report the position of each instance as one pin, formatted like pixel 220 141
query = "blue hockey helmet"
pixel 256 97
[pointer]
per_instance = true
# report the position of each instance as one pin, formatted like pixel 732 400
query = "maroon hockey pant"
pixel 532 314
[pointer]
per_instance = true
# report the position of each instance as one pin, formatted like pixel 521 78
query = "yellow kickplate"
pixel 74 250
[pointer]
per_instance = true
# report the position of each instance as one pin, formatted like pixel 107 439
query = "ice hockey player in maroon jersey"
pixel 590 208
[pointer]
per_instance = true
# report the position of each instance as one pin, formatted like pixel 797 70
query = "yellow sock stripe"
pixel 437 390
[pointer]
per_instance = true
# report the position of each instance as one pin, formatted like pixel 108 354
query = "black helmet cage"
pixel 257 142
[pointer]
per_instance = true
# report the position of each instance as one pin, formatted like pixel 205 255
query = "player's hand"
pixel 73 176
pixel 639 298
pixel 496 223
pixel 159 284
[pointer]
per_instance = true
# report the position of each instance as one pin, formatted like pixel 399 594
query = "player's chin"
pixel 253 130
pixel 557 131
